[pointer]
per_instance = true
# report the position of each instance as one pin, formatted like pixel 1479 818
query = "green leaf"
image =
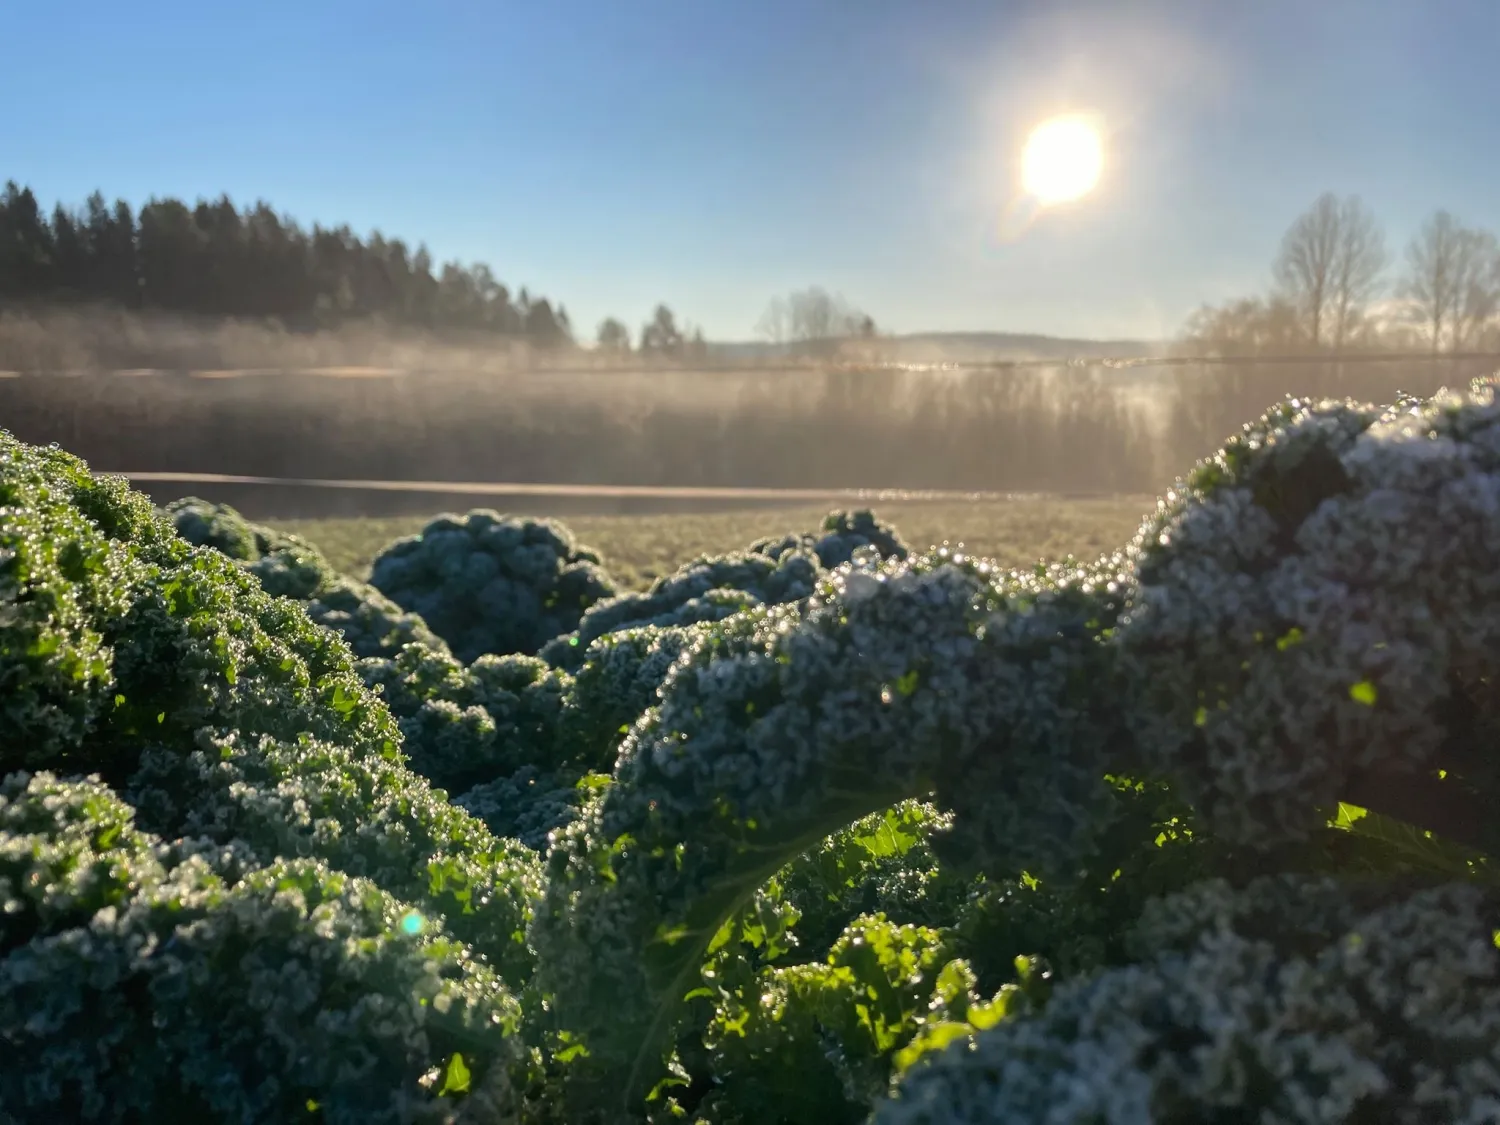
pixel 894 835
pixel 934 1037
pixel 455 1078
pixel 987 1015
pixel 1417 846
pixel 721 938
pixel 671 935
pixel 1347 815
pixel 344 701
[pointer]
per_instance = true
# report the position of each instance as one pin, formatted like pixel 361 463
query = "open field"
pixel 638 548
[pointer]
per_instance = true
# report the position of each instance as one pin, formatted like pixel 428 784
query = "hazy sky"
pixel 612 153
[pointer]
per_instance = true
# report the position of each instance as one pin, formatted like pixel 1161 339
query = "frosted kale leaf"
pixel 492 584
pixel 770 572
pixel 115 1004
pixel 1316 616
pixel 1297 1001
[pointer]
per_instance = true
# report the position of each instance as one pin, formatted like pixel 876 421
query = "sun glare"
pixel 1062 160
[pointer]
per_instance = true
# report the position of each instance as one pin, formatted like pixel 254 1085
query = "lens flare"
pixel 1062 160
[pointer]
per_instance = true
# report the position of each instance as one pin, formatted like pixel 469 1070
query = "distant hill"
pixel 963 347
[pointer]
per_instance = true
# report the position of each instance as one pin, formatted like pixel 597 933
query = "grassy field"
pixel 639 548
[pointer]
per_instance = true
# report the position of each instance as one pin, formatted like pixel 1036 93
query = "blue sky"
pixel 612 154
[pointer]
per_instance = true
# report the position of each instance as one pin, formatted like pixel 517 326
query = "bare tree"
pixel 817 316
pixel 1452 280
pixel 1246 327
pixel 1430 282
pixel 775 323
pixel 1330 265
pixel 1480 290
pixel 813 318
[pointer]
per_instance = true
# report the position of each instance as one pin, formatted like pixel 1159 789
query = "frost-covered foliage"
pixel 221 715
pixel 1296 1001
pixel 491 584
pixel 287 565
pixel 780 727
pixel 1196 831
pixel 370 623
pixel 620 679
pixel 510 738
pixel 462 725
pixel 843 537
pixel 290 567
pixel 770 572
pixel 1316 617
pixel 529 804
pixel 1312 617
pixel 206 524
pixel 115 1002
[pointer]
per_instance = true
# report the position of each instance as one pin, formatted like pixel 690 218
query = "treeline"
pixel 215 259
pixel 1336 288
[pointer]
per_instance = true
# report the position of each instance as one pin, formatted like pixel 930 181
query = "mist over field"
pixel 97 338
pixel 141 393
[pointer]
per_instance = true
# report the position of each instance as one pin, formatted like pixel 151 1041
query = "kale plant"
pixel 712 588
pixel 491 584
pixel 1195 831
pixel 511 738
pixel 197 778
pixel 290 567
pixel 1307 626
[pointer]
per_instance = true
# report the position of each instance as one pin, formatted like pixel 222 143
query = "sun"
pixel 1062 160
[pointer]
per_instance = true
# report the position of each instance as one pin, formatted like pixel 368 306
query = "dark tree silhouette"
pixel 26 247
pixel 661 336
pixel 613 337
pixel 214 259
